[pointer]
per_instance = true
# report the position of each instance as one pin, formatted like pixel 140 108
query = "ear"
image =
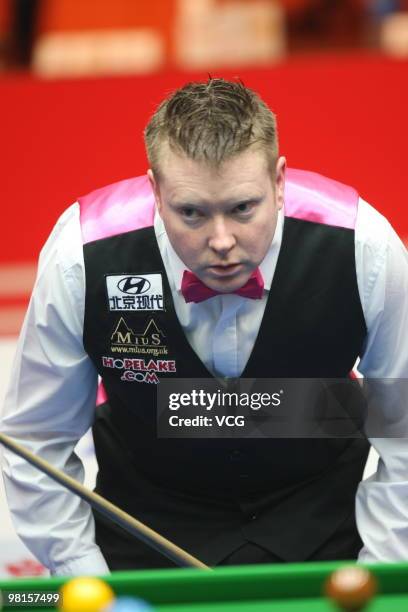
pixel 280 181
pixel 154 183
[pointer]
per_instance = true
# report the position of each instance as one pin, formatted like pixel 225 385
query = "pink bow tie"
pixel 194 290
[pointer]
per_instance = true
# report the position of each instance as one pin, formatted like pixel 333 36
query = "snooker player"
pixel 227 265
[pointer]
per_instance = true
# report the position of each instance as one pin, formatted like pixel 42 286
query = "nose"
pixel 221 240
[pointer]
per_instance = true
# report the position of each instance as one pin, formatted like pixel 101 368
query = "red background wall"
pixel 342 116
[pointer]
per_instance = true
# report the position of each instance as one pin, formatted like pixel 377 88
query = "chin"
pixel 227 285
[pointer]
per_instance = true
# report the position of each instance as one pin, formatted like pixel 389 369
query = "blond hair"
pixel 211 122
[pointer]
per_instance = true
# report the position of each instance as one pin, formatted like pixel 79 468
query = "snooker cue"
pixel 105 507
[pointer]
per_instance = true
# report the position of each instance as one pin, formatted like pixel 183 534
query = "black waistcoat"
pixel 211 495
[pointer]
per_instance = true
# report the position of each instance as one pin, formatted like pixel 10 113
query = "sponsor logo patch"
pixel 149 342
pixel 135 292
pixel 140 370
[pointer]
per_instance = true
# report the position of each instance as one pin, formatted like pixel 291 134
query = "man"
pixel 321 279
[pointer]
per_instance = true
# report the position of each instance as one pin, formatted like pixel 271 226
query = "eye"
pixel 243 209
pixel 190 214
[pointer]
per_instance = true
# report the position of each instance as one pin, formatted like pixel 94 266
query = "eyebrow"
pixel 204 204
pixel 249 201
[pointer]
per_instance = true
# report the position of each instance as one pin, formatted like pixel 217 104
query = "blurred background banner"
pixel 64 37
pixel 79 80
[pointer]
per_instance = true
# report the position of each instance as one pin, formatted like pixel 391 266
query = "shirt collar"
pixel 177 267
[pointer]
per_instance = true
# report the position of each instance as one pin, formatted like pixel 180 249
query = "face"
pixel 219 221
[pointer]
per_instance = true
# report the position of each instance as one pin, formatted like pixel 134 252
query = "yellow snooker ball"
pixel 85 594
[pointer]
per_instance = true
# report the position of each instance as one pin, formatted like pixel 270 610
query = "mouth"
pixel 225 270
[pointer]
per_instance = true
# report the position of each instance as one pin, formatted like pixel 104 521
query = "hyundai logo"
pixel 135 285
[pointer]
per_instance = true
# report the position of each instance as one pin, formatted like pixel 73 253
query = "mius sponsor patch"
pixel 150 341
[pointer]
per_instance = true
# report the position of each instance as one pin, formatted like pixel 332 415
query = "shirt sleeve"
pixel 49 405
pixel 382 269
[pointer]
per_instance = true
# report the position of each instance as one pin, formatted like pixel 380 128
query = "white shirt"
pixel 51 399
